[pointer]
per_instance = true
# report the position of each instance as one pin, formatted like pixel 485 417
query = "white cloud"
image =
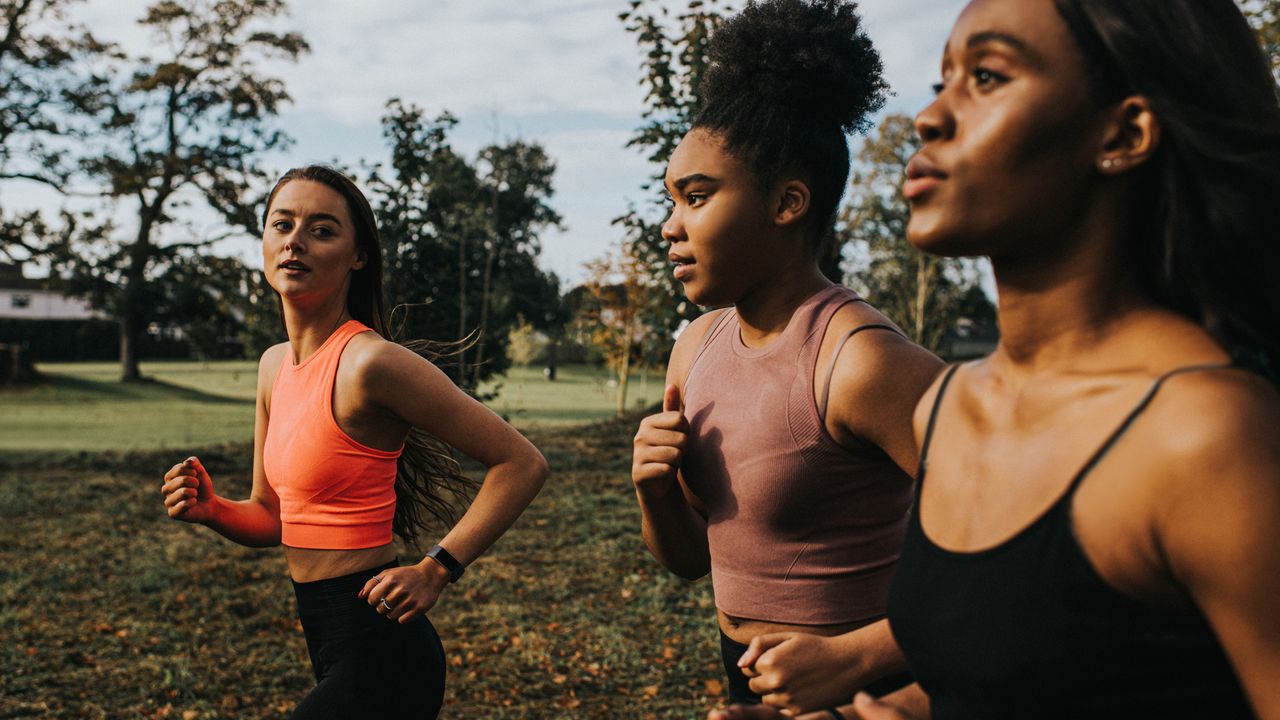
pixel 534 64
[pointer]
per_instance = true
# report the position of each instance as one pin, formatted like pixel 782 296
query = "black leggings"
pixel 366 665
pixel 740 693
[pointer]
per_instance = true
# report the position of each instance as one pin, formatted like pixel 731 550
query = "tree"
pixel 39 72
pixel 925 295
pixel 517 182
pixel 187 124
pixel 1265 16
pixel 460 239
pixel 671 74
pixel 618 311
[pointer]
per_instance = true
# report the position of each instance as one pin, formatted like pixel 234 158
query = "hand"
pixel 659 447
pixel 188 492
pixel 796 671
pixel 409 591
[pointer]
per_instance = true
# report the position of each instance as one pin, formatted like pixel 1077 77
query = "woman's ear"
pixel 361 258
pixel 1131 137
pixel 793 202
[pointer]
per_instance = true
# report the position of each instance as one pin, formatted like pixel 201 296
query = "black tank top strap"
pixel 933 418
pixel 831 367
pixel 1133 415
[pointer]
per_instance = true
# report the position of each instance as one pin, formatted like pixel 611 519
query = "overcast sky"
pixel 559 72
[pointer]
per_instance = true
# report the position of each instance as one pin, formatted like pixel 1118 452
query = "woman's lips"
pixel 683 266
pixel 923 175
pixel 915 188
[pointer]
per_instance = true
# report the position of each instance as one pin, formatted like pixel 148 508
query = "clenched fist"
pixel 659 447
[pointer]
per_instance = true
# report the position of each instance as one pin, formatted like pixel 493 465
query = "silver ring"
pixel 384 604
pixel 377 578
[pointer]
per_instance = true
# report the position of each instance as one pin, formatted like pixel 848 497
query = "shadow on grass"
pixel 144 389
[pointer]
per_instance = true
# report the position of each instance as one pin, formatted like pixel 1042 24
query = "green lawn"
pixel 82 407
pixel 110 610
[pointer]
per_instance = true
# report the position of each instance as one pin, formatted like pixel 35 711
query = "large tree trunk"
pixel 129 309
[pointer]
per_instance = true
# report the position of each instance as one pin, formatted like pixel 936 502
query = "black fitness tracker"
pixel 449 562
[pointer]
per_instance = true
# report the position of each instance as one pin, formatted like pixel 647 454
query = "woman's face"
pixel 1011 141
pixel 308 244
pixel 715 227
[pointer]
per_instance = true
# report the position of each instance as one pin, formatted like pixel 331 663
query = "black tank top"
pixel 1028 629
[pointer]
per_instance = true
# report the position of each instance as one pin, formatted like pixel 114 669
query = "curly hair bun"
pixel 802 58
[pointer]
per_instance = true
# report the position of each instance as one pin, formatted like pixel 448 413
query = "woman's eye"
pixel 938 88
pixel 695 198
pixel 985 77
pixel 323 232
pixel 282 226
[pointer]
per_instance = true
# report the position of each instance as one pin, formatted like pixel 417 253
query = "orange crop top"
pixel 335 493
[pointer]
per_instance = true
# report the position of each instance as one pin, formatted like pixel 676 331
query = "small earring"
pixel 1109 163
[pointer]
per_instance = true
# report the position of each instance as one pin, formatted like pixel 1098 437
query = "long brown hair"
pixel 1209 246
pixel 430 483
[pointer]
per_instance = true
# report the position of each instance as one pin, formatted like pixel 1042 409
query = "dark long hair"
pixel 429 481
pixel 1208 214
pixel 787 80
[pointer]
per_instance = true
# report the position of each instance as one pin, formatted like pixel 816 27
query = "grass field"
pixel 110 610
pixel 82 407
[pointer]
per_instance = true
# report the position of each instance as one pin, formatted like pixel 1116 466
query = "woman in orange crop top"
pixel 781 463
pixel 347 445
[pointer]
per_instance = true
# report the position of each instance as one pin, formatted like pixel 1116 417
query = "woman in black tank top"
pixel 1095 535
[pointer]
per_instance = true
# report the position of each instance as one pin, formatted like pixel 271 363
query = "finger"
pixel 180 481
pixel 369 585
pixel 178 496
pixel 652 471
pixel 759 645
pixel 200 472
pixel 175 470
pixel 178 510
pixel 868 708
pixel 410 616
pixel 671 400
pixel 661 455
pixel 662 437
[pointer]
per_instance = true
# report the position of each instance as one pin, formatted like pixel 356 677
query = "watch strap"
pixel 449 562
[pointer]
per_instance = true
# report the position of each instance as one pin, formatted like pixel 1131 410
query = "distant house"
pixel 24 298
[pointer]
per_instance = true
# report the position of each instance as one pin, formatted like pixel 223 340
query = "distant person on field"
pixel 782 460
pixel 349 447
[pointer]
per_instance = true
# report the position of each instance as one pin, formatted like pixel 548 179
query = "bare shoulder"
pixel 375 362
pixel 688 344
pixel 269 364
pixel 876 363
pixel 1209 421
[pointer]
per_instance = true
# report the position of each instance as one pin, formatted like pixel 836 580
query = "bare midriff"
pixel 309 565
pixel 742 630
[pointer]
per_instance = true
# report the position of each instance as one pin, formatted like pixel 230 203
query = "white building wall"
pixel 38 304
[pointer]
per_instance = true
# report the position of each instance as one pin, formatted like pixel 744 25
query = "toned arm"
pixel 254 522
pixel 876 383
pixel 407 386
pixel 672 523
pixel 1216 527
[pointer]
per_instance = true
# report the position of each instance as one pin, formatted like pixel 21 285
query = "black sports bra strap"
pixel 831 368
pixel 1129 419
pixel 933 417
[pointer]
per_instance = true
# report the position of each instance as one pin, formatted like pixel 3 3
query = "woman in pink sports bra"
pixel 781 463
pixel 350 445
